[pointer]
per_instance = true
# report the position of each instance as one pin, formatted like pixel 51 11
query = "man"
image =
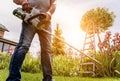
pixel 47 7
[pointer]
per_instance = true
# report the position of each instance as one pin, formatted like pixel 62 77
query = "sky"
pixel 68 15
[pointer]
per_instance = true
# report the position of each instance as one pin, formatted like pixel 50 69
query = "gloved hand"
pixel 26 5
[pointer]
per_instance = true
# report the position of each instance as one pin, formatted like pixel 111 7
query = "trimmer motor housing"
pixel 33 17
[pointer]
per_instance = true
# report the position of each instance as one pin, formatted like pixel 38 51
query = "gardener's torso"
pixel 42 5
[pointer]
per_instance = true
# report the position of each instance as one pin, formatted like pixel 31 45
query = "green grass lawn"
pixel 38 77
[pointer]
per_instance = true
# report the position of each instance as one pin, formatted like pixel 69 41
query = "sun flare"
pixel 75 39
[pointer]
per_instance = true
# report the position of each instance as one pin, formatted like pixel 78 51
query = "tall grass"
pixel 4 60
pixel 110 65
pixel 31 64
pixel 66 66
pixel 109 55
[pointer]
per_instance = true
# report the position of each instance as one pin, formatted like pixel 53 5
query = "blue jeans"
pixel 22 48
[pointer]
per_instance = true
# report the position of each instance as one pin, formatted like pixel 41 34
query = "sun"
pixel 69 22
pixel 75 39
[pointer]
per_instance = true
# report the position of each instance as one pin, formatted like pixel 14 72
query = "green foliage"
pixel 109 56
pixel 99 19
pixel 65 65
pixel 58 47
pixel 110 65
pixel 31 64
pixel 4 60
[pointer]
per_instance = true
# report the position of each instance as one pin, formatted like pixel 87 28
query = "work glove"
pixel 26 6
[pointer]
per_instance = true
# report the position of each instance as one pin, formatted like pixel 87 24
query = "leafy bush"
pixel 4 60
pixel 109 56
pixel 31 64
pixel 65 65
pixel 62 65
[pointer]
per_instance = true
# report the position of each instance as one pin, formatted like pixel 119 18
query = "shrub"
pixel 31 64
pixel 65 65
pixel 109 56
pixel 4 61
pixel 110 65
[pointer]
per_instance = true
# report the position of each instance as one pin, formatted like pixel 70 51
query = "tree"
pixel 58 47
pixel 99 19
